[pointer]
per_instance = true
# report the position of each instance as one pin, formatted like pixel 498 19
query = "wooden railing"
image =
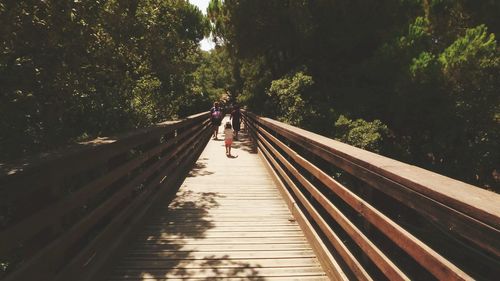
pixel 369 217
pixel 62 214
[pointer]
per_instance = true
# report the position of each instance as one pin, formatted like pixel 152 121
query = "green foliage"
pixel 256 77
pixel 417 32
pixel 471 67
pixel 290 95
pixel 428 70
pixel 361 133
pixel 143 101
pixel 476 47
pixel 76 69
pixel 422 66
pixel 213 77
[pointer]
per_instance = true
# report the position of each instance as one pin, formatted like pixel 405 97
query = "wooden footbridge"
pixel 166 203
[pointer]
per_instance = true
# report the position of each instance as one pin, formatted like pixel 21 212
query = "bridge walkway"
pixel 226 222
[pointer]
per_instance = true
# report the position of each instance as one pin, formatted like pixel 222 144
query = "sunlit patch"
pixel 99 140
pixel 13 171
pixel 148 276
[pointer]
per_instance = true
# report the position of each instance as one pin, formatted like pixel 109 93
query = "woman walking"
pixel 236 120
pixel 216 118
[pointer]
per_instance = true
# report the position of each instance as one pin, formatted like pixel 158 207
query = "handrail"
pixel 56 229
pixel 354 210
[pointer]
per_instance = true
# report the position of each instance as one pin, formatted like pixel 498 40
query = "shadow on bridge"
pixel 178 240
pixel 245 143
pixel 366 216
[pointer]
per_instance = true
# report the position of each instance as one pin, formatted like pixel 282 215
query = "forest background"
pixel 415 80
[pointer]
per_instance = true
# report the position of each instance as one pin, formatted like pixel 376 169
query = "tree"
pixel 426 69
pixel 72 70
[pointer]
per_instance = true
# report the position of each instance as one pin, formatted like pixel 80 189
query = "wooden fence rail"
pixel 373 218
pixel 61 212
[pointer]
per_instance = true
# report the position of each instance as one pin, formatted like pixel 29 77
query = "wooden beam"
pixel 460 208
pixel 427 257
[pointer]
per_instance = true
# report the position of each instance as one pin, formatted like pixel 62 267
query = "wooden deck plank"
pixel 189 255
pixel 223 247
pixel 221 272
pixel 248 277
pixel 222 262
pixel 243 224
pixel 186 228
pixel 227 222
pixel 224 241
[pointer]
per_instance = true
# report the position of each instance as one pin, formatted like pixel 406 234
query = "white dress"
pixel 228 135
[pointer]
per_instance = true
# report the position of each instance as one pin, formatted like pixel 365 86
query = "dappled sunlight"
pixel 249 140
pixel 209 268
pixel 226 220
pixel 206 200
pixel 200 169
pixel 244 143
pixel 98 141
pixel 35 161
pixel 216 267
pixel 148 277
